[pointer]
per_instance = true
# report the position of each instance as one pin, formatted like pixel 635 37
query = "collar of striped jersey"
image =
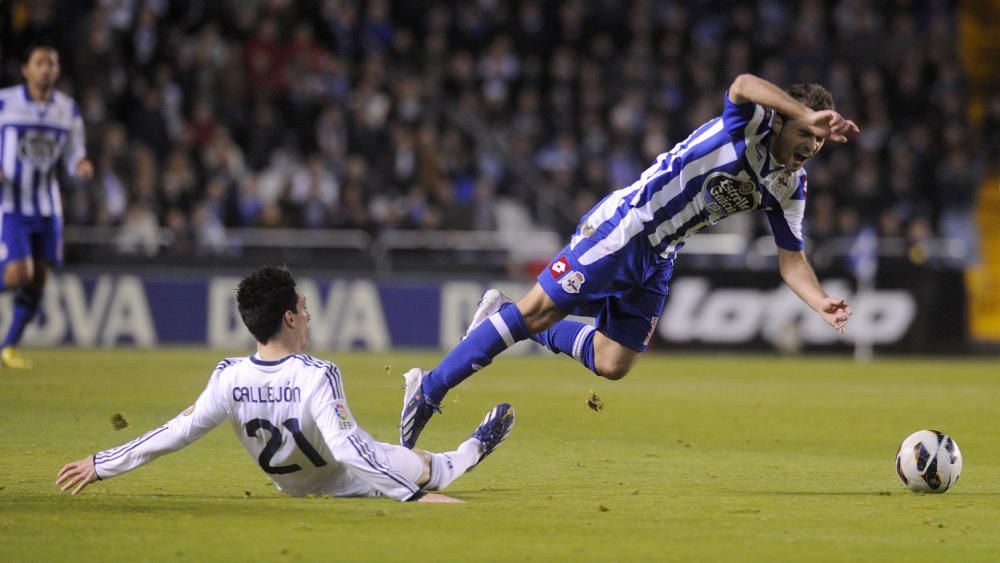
pixel 261 362
pixel 765 142
pixel 769 158
pixel 34 103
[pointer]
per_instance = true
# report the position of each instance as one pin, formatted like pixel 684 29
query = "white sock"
pixel 448 466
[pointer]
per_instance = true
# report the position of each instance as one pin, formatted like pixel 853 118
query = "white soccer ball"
pixel 928 461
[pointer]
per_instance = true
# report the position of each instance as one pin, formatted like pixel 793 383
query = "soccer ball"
pixel 928 461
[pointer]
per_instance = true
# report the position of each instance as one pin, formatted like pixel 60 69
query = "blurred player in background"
pixel 289 411
pixel 618 263
pixel 39 128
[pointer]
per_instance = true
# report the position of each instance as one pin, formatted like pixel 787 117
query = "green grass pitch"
pixel 693 458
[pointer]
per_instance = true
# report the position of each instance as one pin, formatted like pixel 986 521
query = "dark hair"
pixel 262 299
pixel 815 96
pixel 34 46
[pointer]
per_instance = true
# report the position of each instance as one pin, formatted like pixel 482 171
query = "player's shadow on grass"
pixel 480 495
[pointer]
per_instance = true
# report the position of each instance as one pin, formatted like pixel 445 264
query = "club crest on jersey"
pixel 728 194
pixel 559 267
pixel 572 282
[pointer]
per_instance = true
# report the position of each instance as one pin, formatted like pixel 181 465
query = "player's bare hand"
pixel 85 169
pixel 829 124
pixel 434 497
pixel 835 311
pixel 77 474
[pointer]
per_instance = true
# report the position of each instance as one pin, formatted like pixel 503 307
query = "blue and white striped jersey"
pixel 292 417
pixel 34 137
pixel 723 168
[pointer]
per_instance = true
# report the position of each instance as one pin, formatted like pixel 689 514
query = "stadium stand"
pixel 210 120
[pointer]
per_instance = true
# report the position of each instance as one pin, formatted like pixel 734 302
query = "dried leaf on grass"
pixel 594 402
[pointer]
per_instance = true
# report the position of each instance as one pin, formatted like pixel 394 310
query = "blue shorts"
pixel 36 237
pixel 624 291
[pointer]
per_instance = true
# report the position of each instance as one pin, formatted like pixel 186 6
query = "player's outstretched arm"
pixel 800 277
pixel 77 475
pixel 826 124
pixel 188 426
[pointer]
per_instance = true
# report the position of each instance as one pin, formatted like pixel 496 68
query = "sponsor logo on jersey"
pixel 38 148
pixel 572 282
pixel 559 267
pixel 730 194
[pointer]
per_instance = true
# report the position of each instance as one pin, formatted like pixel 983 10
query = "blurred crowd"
pixel 207 115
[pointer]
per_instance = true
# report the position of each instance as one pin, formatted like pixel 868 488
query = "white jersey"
pixel 292 417
pixel 34 137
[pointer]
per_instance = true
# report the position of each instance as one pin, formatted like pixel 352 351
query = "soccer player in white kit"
pixel 40 128
pixel 289 411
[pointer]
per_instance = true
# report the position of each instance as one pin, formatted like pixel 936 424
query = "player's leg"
pixel 625 316
pixel 445 467
pixel 573 338
pixel 27 301
pixel 18 273
pixel 626 323
pixel 435 471
pixel 16 256
pixel 412 464
pixel 27 276
pixel 611 359
pixel 498 331
pixel 625 320
pixel 595 350
pixel 509 324
pixel 565 286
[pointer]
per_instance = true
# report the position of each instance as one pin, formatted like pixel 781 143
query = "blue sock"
pixel 572 338
pixel 494 335
pixel 26 304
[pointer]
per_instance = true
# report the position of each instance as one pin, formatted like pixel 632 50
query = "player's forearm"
pixel 76 150
pixel 800 278
pixel 172 436
pixel 138 452
pixel 749 88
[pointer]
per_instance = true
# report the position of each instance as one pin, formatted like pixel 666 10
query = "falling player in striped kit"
pixel 39 129
pixel 289 411
pixel 617 264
